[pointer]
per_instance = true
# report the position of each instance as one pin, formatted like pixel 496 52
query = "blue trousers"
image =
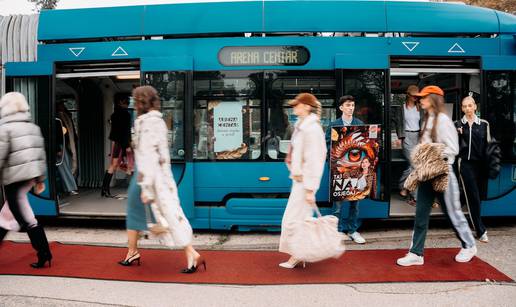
pixel 347 223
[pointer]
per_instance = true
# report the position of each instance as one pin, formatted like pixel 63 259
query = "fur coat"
pixel 156 180
pixel 428 164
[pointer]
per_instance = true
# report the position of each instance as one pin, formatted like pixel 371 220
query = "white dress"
pixel 155 177
pixel 299 234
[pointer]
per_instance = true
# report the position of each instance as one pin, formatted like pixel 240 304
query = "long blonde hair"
pixel 437 104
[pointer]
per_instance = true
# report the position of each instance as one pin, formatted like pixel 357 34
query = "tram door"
pixel 456 84
pixel 34 81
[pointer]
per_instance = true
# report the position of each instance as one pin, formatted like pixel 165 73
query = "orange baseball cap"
pixel 431 89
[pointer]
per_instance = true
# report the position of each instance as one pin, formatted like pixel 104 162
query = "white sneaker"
pixel 357 237
pixel 466 254
pixel 484 238
pixel 411 259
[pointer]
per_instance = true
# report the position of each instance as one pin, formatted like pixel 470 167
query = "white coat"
pixel 155 177
pixel 308 156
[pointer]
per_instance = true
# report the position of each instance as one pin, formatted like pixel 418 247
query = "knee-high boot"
pixel 3 232
pixel 39 242
pixel 106 185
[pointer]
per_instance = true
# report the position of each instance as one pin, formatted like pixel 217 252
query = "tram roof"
pixel 272 16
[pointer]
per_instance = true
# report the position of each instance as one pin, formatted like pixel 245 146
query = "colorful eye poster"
pixel 353 162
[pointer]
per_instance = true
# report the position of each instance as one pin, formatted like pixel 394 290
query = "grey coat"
pixel 22 149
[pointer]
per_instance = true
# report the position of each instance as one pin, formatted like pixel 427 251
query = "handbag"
pixel 317 238
pixel 156 223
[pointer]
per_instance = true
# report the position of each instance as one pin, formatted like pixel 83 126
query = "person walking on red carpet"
pixel 305 161
pixel 23 166
pixel 154 176
pixel 439 128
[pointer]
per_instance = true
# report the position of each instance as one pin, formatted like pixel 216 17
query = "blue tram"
pixel 243 61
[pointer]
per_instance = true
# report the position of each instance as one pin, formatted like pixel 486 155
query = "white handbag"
pixel 317 238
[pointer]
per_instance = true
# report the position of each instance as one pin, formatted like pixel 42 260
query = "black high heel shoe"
pixel 129 261
pixel 41 262
pixel 194 267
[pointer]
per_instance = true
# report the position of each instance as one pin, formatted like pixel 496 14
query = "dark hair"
pixel 346 98
pixel 146 99
pixel 120 98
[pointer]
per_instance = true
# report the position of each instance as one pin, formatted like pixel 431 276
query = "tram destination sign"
pixel 264 56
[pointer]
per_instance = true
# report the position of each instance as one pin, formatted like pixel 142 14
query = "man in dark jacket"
pixel 349 224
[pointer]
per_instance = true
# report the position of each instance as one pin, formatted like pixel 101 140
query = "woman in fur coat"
pixel 305 161
pixel 438 128
pixel 154 176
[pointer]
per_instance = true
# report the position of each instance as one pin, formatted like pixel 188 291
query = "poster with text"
pixel 228 129
pixel 353 162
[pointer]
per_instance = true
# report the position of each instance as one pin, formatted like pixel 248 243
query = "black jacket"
pixel 473 143
pixel 121 127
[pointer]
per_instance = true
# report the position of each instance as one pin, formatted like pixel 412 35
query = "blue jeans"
pixel 347 223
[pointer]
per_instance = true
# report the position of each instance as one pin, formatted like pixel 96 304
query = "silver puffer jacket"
pixel 22 149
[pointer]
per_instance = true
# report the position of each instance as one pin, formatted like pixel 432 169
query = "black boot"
pixel 39 242
pixel 106 185
pixel 3 232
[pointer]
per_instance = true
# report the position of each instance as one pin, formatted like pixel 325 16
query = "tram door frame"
pixel 40 76
pixel 380 206
pixel 182 169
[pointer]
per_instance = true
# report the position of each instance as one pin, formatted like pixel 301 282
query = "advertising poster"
pixel 228 129
pixel 353 162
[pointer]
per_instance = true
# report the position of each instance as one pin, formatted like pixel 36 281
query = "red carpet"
pixel 244 267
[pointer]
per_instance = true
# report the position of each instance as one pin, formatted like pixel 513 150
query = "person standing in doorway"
pixel 474 135
pixel 439 128
pixel 22 166
pixel 120 135
pixel 410 136
pixel 349 224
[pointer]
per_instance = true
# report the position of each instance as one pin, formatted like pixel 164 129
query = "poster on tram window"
pixel 353 162
pixel 228 129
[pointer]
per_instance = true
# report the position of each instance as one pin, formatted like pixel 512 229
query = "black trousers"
pixel 473 186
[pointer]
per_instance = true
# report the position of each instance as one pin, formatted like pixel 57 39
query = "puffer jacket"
pixel 22 149
pixel 428 164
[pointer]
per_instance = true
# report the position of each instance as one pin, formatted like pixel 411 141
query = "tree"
pixel 44 4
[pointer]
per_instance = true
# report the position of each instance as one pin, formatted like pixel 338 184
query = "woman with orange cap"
pixel 305 161
pixel 439 128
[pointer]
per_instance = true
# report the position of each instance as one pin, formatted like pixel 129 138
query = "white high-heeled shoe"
pixel 290 265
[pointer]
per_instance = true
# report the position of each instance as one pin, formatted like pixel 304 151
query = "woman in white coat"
pixel 305 162
pixel 155 175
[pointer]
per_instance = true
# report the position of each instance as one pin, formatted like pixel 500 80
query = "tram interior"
pixel 89 103
pixel 456 86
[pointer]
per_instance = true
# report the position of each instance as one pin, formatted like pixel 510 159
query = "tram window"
pixel 368 88
pixel 227 115
pixel 501 110
pixel 284 86
pixel 171 89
